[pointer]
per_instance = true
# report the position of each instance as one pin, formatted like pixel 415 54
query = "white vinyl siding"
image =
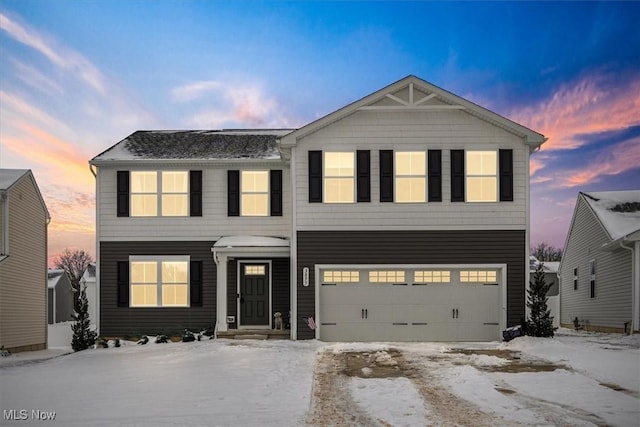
pixel 214 220
pixel 415 131
pixel 611 306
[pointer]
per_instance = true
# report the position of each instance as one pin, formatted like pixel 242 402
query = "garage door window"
pixel 341 277
pixel 477 276
pixel 429 276
pixel 386 276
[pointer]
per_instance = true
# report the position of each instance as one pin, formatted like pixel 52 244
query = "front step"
pixel 255 334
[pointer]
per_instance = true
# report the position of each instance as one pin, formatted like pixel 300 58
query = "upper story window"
pixel 165 192
pixel 339 177
pixel 481 176
pixel 159 282
pixel 255 193
pixel 410 176
pixel 592 278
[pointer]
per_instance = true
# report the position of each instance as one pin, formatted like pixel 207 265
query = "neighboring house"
pixel 600 268
pixel 60 297
pixel 550 269
pixel 403 216
pixel 89 280
pixel 23 262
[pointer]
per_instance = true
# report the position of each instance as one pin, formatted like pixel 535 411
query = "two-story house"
pixel 403 216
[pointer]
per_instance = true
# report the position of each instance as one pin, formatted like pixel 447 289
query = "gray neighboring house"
pixel 59 297
pixel 550 269
pixel 89 280
pixel 24 219
pixel 600 267
pixel 403 216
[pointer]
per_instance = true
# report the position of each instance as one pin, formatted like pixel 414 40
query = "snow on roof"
pixel 8 177
pixel 196 144
pixel 618 211
pixel 89 274
pixel 547 266
pixel 53 276
pixel 250 241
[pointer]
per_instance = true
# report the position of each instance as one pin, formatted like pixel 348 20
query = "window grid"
pixel 159 283
pixel 477 276
pixel 410 179
pixel 254 270
pixel 339 177
pixel 341 276
pixel 482 179
pixel 432 276
pixel 164 193
pixel 386 276
pixel 255 193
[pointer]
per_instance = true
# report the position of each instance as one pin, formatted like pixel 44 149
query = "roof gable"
pixel 414 94
pixel 617 211
pixel 9 177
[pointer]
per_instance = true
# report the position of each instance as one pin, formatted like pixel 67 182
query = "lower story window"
pixel 159 281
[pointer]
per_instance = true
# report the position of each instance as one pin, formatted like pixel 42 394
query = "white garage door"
pixel 423 303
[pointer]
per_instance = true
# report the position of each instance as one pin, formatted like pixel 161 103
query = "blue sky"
pixel 78 76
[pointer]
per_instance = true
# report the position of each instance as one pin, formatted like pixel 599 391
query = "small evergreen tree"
pixel 540 324
pixel 83 336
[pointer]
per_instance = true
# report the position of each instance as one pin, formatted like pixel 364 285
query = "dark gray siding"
pixel 280 297
pixel 412 247
pixel 119 321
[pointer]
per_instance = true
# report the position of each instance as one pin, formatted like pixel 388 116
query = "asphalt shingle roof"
pixel 196 144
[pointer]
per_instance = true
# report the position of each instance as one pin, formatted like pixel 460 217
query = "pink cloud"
pixel 618 159
pixel 594 103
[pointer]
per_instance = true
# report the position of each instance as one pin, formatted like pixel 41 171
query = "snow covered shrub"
pixel 143 340
pixel 540 323
pixel 188 336
pixel 83 336
pixel 161 339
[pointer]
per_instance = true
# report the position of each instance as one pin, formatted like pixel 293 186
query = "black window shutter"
pixel 195 193
pixel 315 176
pixel 195 277
pixel 233 193
pixel 275 192
pixel 506 175
pixel 386 175
pixel 457 175
pixel 435 175
pixel 363 167
pixel 123 193
pixel 122 275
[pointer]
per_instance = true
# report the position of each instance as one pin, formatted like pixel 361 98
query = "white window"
pixel 339 177
pixel 159 281
pixel 477 276
pixel 386 276
pixel 255 193
pixel 432 276
pixel 166 192
pixel 410 176
pixel 482 181
pixel 341 277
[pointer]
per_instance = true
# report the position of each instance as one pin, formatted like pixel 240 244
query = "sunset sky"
pixel 78 76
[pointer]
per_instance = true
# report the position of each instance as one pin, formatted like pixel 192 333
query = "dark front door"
pixel 254 295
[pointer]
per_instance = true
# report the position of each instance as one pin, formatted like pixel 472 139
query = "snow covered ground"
pixel 581 379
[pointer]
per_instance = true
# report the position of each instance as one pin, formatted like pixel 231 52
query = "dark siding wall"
pixel 412 247
pixel 280 268
pixel 118 321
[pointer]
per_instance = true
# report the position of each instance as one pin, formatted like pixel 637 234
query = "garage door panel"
pixel 451 311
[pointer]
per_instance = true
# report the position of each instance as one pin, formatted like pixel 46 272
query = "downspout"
pixel 635 286
pixel 217 261
pixel 97 290
pixel 4 244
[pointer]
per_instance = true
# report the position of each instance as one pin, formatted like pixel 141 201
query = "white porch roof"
pixel 250 242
